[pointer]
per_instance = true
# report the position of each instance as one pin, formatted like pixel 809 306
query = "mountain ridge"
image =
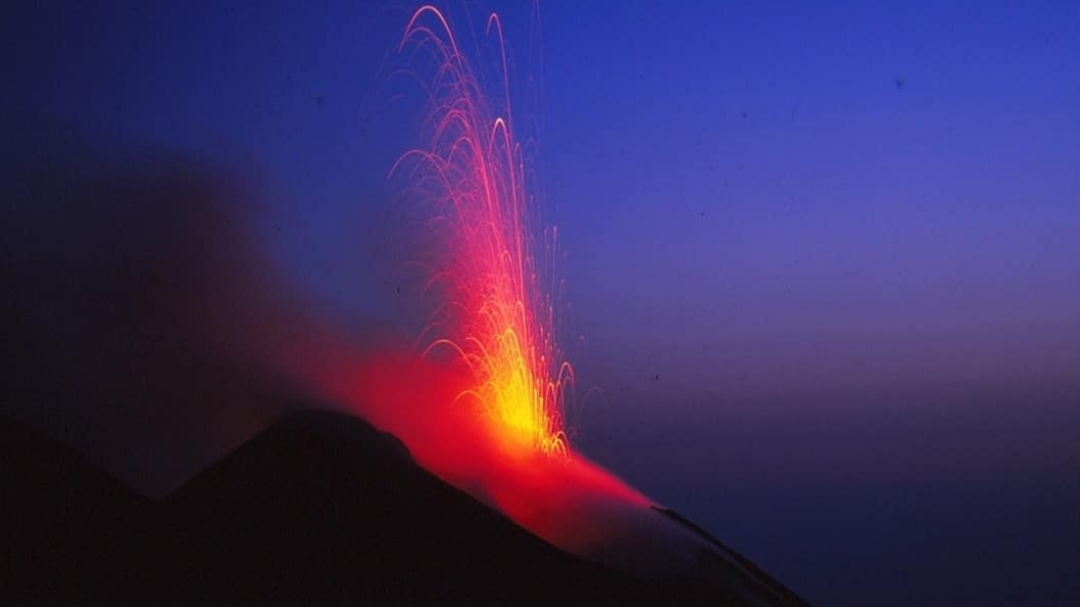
pixel 319 508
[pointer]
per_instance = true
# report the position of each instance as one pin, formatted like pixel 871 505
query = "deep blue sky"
pixel 825 259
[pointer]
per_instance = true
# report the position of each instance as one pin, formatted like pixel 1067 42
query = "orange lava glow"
pixel 567 501
pixel 495 321
pixel 481 407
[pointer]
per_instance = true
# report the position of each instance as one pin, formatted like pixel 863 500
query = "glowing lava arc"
pixel 498 321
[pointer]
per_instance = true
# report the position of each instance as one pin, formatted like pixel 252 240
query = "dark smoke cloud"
pixel 138 310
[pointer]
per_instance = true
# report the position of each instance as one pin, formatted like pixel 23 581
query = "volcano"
pixel 320 508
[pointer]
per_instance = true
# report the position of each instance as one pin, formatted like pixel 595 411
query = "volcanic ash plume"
pixel 140 310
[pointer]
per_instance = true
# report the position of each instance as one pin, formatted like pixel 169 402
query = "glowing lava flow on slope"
pixel 482 408
pixel 495 319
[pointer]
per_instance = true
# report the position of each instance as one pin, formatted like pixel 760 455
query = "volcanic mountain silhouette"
pixel 319 509
pixel 152 336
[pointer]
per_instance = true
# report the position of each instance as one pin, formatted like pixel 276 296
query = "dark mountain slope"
pixel 325 509
pixel 68 530
pixel 320 509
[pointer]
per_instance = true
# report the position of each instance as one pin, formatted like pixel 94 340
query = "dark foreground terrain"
pixel 316 510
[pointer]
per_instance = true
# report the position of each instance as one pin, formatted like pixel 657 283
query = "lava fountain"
pixel 496 321
pixel 482 406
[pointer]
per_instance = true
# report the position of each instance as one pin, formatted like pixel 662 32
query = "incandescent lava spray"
pixel 494 319
pixel 482 408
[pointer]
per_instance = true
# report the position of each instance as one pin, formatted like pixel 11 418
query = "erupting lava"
pixel 495 319
pixel 482 407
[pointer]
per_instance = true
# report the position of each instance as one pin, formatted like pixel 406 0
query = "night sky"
pixel 821 262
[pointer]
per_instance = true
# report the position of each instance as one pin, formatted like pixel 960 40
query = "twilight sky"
pixel 823 262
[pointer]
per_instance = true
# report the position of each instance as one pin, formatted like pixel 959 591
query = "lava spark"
pixel 496 320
